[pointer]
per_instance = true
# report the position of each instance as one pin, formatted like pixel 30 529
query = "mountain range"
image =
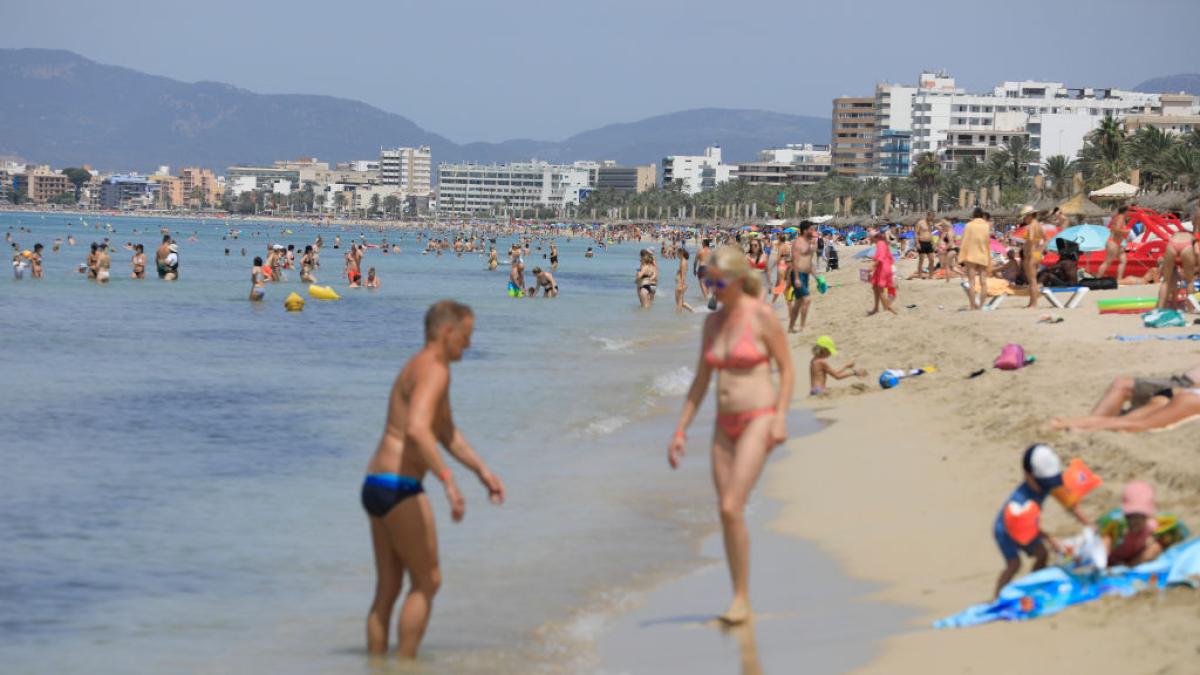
pixel 1188 83
pixel 63 109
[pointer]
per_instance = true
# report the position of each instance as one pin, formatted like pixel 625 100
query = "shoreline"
pixel 907 501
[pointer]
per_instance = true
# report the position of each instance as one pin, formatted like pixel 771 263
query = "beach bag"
pixel 1067 250
pixel 1012 357
pixel 1163 318
pixel 1099 284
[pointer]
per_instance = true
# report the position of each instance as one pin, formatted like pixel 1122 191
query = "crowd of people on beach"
pixel 741 274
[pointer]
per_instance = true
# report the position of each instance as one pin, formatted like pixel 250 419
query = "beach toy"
pixel 891 377
pixel 323 292
pixel 1126 305
pixel 1012 357
pixel 1021 521
pixel 27 254
pixel 822 286
pixel 1078 481
pixel 514 292
pixel 293 302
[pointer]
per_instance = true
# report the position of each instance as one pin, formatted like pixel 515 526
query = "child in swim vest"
pixel 819 368
pixel 1018 525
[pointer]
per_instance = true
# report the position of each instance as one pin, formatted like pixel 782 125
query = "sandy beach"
pixel 902 486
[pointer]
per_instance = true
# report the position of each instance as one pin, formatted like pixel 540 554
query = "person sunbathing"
pixel 1164 410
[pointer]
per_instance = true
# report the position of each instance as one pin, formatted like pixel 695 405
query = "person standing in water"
pixel 701 266
pixel 493 263
pixel 647 279
pixel 103 264
pixel 553 256
pixel 257 287
pixel 681 282
pixel 138 262
pixel 402 527
pixel 740 340
pixel 160 256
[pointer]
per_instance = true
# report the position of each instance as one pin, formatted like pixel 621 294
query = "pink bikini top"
pixel 743 354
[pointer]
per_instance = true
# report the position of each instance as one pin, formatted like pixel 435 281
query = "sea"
pixel 182 467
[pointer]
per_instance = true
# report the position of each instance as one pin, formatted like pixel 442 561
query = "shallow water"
pixel 183 466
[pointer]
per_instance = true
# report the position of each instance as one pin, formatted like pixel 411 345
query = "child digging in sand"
pixel 819 367
pixel 1018 525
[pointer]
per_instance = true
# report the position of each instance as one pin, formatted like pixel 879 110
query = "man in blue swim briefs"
pixel 801 270
pixel 402 526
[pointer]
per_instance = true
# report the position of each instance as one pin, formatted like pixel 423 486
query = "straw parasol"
pixel 1118 190
pixel 1083 207
pixel 1167 201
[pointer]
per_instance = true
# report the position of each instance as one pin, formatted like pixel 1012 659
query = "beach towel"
pixel 1139 338
pixel 1051 590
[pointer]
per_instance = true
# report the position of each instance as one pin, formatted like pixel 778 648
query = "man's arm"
pixel 466 455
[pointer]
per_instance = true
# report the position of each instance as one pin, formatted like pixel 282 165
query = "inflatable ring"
pixel 323 292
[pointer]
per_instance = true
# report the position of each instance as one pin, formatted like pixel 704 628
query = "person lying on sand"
pixel 819 368
pixel 1136 533
pixel 1154 403
pixel 1018 526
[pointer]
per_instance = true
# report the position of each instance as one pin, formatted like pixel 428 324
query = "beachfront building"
pixel 476 188
pixel 791 164
pixel 169 193
pixel 852 137
pixel 941 118
pixel 200 187
pixel 697 173
pixel 410 169
pixel 610 176
pixel 1178 114
pixel 40 184
pixel 127 191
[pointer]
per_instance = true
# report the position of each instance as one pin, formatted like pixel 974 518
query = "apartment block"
pixel 852 137
pixel 410 169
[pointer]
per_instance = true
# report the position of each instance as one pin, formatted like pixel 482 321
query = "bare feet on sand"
pixel 738 612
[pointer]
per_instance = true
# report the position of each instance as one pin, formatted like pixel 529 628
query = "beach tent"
pixel 1089 237
pixel 1083 207
pixel 1118 190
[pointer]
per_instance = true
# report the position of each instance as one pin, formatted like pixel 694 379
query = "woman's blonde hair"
pixel 733 264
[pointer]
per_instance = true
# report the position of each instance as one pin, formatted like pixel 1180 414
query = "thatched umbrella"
pixel 1080 206
pixel 1167 201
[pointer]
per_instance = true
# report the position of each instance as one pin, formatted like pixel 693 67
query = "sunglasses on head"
pixel 719 284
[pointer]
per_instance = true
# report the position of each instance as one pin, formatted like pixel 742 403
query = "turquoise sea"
pixel 182 466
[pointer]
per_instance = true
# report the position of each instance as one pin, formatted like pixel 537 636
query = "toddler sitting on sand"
pixel 819 367
pixel 1018 525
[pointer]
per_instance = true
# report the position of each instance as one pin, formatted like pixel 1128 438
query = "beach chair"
pixel 992 302
pixel 1077 293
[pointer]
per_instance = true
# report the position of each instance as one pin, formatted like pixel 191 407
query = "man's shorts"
pixel 1145 388
pixel 800 284
pixel 925 247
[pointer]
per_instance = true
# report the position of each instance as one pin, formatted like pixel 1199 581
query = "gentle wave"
pixel 613 344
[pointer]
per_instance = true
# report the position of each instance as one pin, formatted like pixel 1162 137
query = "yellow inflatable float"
pixel 293 302
pixel 323 292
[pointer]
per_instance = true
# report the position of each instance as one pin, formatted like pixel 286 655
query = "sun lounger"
pixel 1077 293
pixel 992 302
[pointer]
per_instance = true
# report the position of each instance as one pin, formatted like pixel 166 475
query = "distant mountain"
pixel 60 108
pixel 1172 84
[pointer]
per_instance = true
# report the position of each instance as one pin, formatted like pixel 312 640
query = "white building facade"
pixel 410 169
pixel 501 188
pixel 954 124
pixel 698 173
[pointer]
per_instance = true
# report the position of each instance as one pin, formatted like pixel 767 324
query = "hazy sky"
pixel 523 68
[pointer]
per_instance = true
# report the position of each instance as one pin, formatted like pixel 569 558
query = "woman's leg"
pixel 1031 266
pixel 736 468
pixel 1166 289
pixel 1112 252
pixel 1188 265
pixel 1121 267
pixel 1180 408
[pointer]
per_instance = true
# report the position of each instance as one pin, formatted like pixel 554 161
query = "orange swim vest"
pixel 1021 521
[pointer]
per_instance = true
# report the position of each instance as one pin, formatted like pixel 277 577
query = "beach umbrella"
pixel 791 229
pixel 997 247
pixel 1118 190
pixel 1082 206
pixel 749 228
pixel 907 235
pixel 959 227
pixel 1089 237
pixel 1047 229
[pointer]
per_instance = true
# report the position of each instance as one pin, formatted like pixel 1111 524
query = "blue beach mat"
pixel 1053 589
pixel 1139 338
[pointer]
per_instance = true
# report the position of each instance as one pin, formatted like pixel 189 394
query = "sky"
pixel 475 70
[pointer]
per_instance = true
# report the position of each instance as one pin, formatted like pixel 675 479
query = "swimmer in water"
pixel 553 256
pixel 35 262
pixel 306 265
pixel 257 287
pixel 103 264
pixel 372 280
pixel 403 533
pixel 647 279
pixel 493 263
pixel 546 282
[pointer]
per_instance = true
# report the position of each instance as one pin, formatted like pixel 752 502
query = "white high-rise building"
pixel 955 124
pixel 475 188
pixel 410 169
pixel 698 172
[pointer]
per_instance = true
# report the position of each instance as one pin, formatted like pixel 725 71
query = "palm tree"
pixel 374 204
pixel 1059 169
pixel 1148 150
pixel 1104 155
pixel 926 174
pixel 1182 164
pixel 339 201
pixel 1020 157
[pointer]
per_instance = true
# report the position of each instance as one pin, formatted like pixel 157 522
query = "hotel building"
pixel 698 173
pixel 410 169
pixel 476 188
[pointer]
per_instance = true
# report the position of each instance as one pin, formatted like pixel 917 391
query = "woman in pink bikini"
pixel 740 341
pixel 1114 248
